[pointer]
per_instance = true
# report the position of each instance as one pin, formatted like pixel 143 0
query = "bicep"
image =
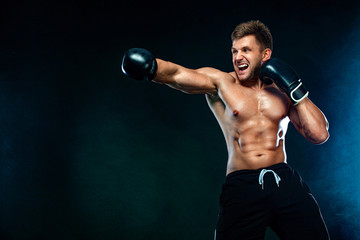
pixel 194 81
pixel 295 119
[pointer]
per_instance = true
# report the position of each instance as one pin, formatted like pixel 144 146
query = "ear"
pixel 266 54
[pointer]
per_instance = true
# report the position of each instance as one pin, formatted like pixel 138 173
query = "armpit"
pixel 213 96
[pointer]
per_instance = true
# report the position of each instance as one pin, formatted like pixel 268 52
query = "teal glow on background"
pixel 87 153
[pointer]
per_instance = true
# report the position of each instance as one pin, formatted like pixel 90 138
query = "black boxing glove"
pixel 277 71
pixel 139 64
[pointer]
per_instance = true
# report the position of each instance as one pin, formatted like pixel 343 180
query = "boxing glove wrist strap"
pixel 298 93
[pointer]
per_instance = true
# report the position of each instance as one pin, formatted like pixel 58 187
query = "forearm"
pixel 184 79
pixel 310 121
pixel 140 64
pixel 306 117
pixel 166 72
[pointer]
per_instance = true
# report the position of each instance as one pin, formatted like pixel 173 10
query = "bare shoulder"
pixel 216 75
pixel 233 74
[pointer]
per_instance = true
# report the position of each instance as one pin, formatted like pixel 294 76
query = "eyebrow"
pixel 233 48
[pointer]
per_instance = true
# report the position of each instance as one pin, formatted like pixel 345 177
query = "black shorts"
pixel 283 202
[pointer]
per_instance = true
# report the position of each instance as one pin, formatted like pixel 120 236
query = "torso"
pixel 254 123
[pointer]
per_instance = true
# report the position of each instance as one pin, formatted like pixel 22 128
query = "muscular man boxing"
pixel 253 106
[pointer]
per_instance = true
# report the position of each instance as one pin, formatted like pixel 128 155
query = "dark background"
pixel 88 153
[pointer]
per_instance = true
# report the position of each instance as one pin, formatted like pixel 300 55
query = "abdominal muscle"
pixel 255 148
pixel 254 123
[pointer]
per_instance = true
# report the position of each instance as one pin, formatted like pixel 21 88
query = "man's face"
pixel 247 57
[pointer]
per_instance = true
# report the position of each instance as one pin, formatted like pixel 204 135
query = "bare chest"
pixel 244 103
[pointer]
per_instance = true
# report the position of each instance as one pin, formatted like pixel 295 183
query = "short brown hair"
pixel 256 28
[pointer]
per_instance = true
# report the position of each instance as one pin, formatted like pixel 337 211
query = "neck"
pixel 252 83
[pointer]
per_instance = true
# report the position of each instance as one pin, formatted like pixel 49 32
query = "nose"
pixel 239 56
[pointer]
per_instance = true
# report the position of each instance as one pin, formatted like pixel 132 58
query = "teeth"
pixel 243 65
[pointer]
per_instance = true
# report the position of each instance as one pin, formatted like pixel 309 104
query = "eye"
pixel 234 51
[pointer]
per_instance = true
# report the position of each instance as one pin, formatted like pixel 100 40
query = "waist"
pixel 254 160
pixel 256 172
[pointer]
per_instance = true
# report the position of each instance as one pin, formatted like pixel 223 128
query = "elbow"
pixel 319 134
pixel 320 137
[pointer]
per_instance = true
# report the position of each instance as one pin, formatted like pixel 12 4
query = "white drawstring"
pixel 261 177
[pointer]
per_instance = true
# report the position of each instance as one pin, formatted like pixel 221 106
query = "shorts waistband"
pixel 256 171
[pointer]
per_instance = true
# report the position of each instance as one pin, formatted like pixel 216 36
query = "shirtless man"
pixel 253 106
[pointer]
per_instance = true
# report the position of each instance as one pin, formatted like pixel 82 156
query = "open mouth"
pixel 243 66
